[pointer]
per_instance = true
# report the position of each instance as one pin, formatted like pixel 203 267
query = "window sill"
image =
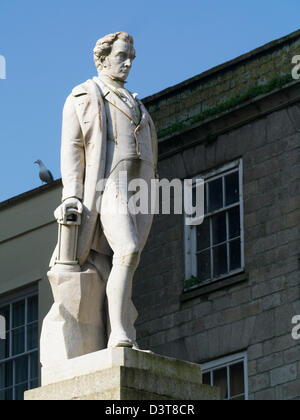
pixel 213 286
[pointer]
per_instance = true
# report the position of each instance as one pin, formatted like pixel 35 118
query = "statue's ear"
pixel 103 61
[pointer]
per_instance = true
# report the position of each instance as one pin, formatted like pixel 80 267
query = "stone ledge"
pixel 213 286
pixel 207 131
pixel 120 383
pixel 225 67
pixel 122 357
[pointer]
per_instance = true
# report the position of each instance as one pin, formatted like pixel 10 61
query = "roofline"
pixel 224 66
pixel 29 194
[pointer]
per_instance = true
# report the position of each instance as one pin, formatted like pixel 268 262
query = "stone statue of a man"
pixel 106 131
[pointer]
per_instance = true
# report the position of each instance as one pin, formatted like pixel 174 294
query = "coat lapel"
pixel 144 114
pixel 114 99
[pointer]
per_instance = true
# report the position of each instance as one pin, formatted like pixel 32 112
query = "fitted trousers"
pixel 126 221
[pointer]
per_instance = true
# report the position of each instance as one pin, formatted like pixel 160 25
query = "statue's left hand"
pixel 61 211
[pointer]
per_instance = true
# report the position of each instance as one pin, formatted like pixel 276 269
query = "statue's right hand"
pixel 61 211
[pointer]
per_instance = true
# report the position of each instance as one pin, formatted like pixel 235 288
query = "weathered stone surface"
pixel 269 362
pixel 121 374
pixel 259 382
pixel 290 390
pixel 292 355
pixel 74 325
pixel 255 351
pixel 216 88
pixel 284 374
pixel 268 395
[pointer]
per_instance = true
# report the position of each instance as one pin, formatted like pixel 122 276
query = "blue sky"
pixel 48 50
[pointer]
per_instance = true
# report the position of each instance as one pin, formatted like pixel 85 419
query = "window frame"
pixel 190 231
pixel 226 362
pixel 8 301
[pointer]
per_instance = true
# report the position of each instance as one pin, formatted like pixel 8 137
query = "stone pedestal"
pixel 75 324
pixel 123 374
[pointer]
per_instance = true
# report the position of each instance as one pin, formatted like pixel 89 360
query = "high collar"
pixel 114 83
pixel 114 97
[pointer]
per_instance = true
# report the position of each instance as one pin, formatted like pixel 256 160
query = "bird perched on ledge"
pixel 45 174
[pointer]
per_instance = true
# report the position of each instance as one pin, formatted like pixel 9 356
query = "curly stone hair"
pixel 104 46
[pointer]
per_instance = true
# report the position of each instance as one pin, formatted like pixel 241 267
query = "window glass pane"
pixel 206 378
pixel 18 373
pixel 21 369
pixel 4 348
pixel 34 384
pixel 19 391
pixel 220 260
pixel 205 198
pixel 203 265
pixel 237 386
pixel 9 394
pixel 232 188
pixel 215 194
pixel 234 222
pixel 6 395
pixel 241 398
pixel 32 336
pixel 18 314
pixel 220 380
pixel 9 373
pixel 203 235
pixel 219 228
pixel 33 365
pixel 2 376
pixel 235 254
pixel 18 340
pixel 6 375
pixel 32 309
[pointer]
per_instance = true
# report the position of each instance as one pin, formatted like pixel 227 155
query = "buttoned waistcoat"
pixel 128 130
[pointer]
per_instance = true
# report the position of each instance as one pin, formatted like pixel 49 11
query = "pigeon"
pixel 45 174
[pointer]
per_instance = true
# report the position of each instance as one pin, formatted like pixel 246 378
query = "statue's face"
pixel 118 63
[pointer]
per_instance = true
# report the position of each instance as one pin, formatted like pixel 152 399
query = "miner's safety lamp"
pixel 67 241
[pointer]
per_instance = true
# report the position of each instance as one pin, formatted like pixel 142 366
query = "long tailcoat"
pixel 83 154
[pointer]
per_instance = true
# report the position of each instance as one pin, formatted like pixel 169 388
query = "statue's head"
pixel 113 55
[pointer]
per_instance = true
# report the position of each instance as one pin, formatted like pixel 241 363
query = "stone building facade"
pixel 223 293
pixel 248 111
